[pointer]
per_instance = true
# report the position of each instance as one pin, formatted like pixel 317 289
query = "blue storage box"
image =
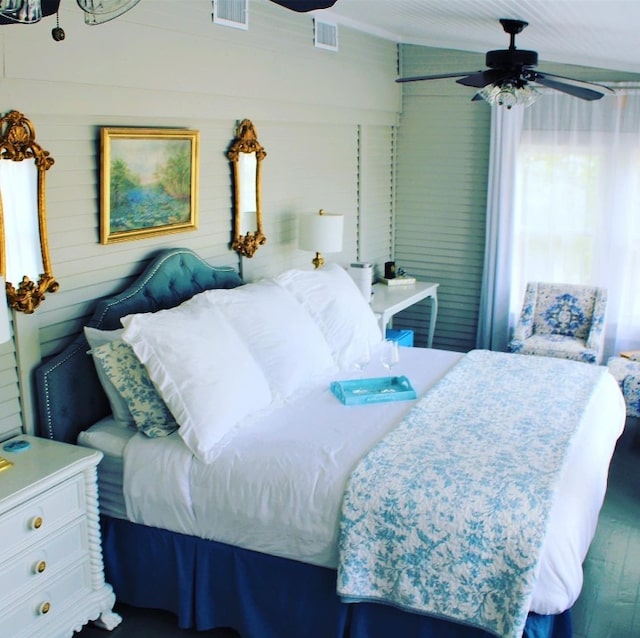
pixel 403 337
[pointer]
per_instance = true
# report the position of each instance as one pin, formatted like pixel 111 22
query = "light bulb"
pixel 507 96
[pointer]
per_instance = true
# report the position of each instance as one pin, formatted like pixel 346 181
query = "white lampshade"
pixel 321 233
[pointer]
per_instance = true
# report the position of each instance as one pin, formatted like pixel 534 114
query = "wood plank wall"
pixel 443 152
pixel 332 127
pixel 441 187
pixel 166 64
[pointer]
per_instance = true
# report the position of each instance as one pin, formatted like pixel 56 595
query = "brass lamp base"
pixel 317 261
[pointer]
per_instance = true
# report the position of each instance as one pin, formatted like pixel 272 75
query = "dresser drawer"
pixel 44 560
pixel 32 521
pixel 32 614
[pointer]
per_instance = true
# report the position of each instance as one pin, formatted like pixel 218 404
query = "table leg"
pixel 432 320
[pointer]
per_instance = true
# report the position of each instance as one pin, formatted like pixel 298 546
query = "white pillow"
pixel 203 371
pixel 107 436
pixel 334 301
pixel 119 407
pixel 280 334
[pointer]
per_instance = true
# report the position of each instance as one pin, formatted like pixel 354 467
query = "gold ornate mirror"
pixel 24 250
pixel 246 155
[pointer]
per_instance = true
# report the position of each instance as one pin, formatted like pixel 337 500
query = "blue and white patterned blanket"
pixel 447 514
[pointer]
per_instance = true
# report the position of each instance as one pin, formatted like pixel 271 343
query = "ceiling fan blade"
pixel 604 88
pixel 577 91
pixel 480 79
pixel 439 76
pixel 305 5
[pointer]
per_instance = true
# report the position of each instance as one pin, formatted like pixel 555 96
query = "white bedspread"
pixel 277 485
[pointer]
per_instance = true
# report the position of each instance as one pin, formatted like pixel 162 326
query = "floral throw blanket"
pixel 447 514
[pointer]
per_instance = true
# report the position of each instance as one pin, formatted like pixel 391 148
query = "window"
pixel 577 205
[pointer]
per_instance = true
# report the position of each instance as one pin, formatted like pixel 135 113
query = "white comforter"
pixel 276 485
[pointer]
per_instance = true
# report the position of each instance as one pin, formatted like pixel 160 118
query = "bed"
pixel 293 522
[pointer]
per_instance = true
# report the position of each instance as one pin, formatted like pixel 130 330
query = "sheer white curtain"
pixel 576 206
pixel 495 299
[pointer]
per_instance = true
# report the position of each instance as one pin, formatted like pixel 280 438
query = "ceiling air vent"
pixel 325 35
pixel 231 13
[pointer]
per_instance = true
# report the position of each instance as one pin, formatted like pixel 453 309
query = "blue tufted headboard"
pixel 70 397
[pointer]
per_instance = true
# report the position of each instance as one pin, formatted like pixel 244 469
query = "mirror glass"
pixel 24 253
pixel 247 173
pixel 18 189
pixel 246 155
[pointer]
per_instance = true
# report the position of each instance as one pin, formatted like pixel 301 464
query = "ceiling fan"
pixel 511 72
pixel 30 11
pixel 305 5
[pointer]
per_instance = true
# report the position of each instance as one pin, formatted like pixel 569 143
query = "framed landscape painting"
pixel 148 182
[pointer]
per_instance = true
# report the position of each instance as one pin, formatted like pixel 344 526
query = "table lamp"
pixel 321 233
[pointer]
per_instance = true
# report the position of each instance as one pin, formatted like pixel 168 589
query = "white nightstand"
pixel 389 300
pixel 52 578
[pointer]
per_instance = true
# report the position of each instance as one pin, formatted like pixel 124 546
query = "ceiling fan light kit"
pixel 508 95
pixel 508 80
pixel 21 11
pixel 99 11
pixel 32 11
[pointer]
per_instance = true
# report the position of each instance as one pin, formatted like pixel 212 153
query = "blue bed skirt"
pixel 208 585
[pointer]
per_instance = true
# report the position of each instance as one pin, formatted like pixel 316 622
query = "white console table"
pixel 389 300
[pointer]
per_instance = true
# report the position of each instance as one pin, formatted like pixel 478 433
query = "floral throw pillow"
pixel 120 364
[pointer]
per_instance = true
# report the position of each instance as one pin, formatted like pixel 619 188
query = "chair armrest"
pixel 524 327
pixel 595 339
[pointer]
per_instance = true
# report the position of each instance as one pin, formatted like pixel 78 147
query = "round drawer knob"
pixel 40 566
pixel 45 607
pixel 36 523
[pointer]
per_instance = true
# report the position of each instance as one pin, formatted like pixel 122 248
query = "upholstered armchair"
pixel 626 371
pixel 562 320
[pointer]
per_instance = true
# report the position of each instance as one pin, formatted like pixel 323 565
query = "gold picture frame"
pixel 148 182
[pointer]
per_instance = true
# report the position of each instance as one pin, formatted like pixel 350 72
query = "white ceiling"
pixel 597 33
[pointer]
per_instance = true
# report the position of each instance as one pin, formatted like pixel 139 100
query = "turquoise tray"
pixel 377 390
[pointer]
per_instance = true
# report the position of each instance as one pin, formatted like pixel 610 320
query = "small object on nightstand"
pixel 362 275
pixel 5 464
pixel 399 277
pixel 405 280
pixel 16 445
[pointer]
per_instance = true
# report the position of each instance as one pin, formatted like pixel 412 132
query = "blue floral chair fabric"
pixel 562 320
pixel 627 373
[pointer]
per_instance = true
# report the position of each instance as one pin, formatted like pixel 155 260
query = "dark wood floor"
pixel 609 606
pixel 146 623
